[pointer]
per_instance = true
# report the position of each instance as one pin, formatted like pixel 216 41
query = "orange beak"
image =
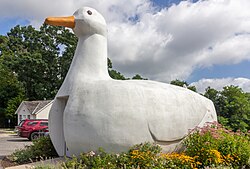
pixel 61 21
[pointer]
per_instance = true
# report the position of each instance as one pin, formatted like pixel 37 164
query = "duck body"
pixel 91 110
pixel 115 115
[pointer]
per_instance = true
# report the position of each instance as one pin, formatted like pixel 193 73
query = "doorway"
pixel 61 103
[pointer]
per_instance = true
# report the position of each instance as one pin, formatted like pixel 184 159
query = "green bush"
pixel 209 147
pixel 213 145
pixel 179 160
pixel 92 160
pixel 144 155
pixel 41 148
pixel 141 156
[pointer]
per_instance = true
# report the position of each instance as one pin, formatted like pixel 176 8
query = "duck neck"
pixel 90 59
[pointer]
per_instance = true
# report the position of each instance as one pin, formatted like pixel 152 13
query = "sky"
pixel 204 42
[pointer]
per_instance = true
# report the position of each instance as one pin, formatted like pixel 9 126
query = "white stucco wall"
pixel 44 113
pixel 24 112
pixel 33 116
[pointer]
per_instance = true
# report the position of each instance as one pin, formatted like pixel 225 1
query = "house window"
pixel 24 116
pixel 20 117
pixel 28 116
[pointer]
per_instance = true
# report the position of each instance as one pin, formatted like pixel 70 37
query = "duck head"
pixel 85 21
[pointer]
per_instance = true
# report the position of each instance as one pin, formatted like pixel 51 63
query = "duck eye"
pixel 89 12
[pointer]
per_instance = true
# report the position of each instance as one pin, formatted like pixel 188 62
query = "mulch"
pixel 5 162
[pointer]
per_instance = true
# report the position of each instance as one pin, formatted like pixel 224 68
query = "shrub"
pixel 41 148
pixel 207 147
pixel 145 155
pixel 92 160
pixel 181 161
pixel 141 155
pixel 213 145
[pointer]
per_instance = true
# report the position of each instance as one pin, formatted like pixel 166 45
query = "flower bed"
pixel 209 147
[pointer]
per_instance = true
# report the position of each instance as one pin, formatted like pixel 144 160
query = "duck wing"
pixel 172 111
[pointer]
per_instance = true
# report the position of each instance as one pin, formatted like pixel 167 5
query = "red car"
pixel 32 128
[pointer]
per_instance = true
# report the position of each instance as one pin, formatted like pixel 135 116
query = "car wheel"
pixel 34 136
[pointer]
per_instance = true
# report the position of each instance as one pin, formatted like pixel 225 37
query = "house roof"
pixel 34 107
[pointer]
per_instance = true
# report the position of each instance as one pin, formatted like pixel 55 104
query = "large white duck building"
pixel 91 110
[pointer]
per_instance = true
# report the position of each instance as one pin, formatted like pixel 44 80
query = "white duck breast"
pixel 91 110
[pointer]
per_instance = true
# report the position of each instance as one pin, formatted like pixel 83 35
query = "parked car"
pixel 32 128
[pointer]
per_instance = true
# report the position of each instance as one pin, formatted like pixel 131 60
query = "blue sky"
pixel 241 69
pixel 182 33
pixel 221 71
pixel 8 23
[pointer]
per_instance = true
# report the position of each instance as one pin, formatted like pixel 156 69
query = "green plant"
pixel 141 156
pixel 144 155
pixel 209 147
pixel 90 160
pixel 41 148
pixel 179 160
pixel 22 156
pixel 213 145
pixel 235 148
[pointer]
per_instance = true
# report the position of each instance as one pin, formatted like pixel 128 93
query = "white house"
pixel 33 110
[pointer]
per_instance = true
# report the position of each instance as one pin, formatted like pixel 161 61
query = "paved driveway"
pixel 10 142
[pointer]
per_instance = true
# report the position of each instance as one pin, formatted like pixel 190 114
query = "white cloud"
pixel 162 44
pixel 218 84
pixel 114 10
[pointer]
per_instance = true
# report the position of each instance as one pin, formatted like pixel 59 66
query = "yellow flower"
pixel 216 156
pixel 182 158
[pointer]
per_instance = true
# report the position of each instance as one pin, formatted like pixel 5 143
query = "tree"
pixel 183 84
pixel 40 58
pixel 138 77
pixel 236 108
pixel 232 107
pixel 113 73
pixel 10 89
pixel 214 95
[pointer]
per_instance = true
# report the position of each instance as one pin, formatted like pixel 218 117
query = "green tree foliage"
pixel 214 95
pixel 113 73
pixel 138 77
pixel 183 84
pixel 232 106
pixel 118 76
pixel 11 92
pixel 40 58
pixel 33 64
